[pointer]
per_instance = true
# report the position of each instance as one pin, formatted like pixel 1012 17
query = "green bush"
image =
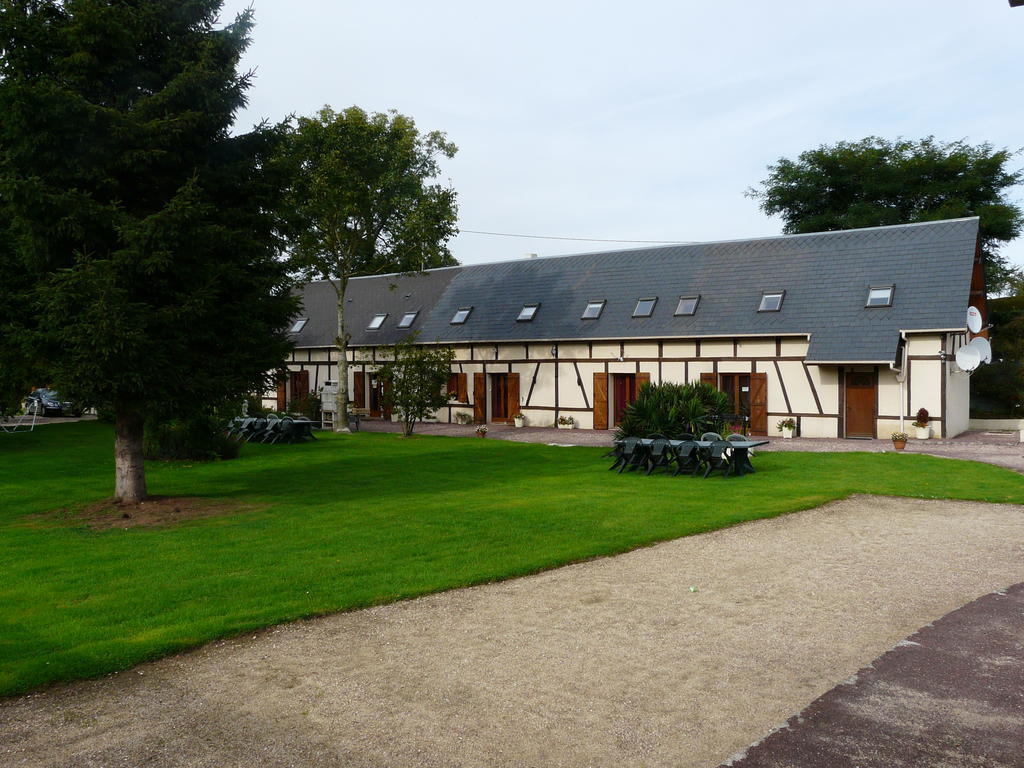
pixel 197 439
pixel 308 405
pixel 673 409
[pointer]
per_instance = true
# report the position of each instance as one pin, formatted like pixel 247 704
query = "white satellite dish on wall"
pixel 984 348
pixel 973 319
pixel 968 358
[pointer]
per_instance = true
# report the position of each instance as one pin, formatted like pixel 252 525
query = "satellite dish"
pixel 984 348
pixel 968 358
pixel 973 319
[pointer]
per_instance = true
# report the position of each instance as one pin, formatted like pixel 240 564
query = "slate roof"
pixel 825 276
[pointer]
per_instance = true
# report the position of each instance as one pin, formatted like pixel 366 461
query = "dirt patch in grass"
pixel 154 511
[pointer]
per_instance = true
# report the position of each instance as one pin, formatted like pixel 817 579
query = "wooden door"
pixel 623 393
pixel 282 393
pixel 359 390
pixel 513 394
pixel 479 398
pixel 759 403
pixel 376 396
pixel 499 398
pixel 600 401
pixel 861 401
pixel 710 379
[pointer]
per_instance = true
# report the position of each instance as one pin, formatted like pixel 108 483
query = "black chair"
pixel 623 452
pixel 717 458
pixel 688 458
pixel 659 454
pixel 710 436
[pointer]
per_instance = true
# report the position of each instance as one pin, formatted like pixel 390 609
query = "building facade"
pixel 849 333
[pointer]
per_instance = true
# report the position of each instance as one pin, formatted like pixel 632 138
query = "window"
pixel 527 312
pixel 461 315
pixel 593 310
pixel 645 307
pixel 408 319
pixel 299 324
pixel 880 297
pixel 377 322
pixel 771 301
pixel 687 305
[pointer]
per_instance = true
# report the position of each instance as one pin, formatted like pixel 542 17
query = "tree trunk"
pixel 341 417
pixel 129 471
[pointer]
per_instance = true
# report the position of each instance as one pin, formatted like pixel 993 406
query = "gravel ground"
pixel 680 654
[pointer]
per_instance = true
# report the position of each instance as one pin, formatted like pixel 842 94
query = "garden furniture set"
pixel 686 456
pixel 271 429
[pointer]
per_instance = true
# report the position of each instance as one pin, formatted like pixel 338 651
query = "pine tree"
pixel 147 227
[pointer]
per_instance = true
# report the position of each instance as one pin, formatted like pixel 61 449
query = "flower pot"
pixel 923 433
pixel 566 426
pixel 899 445
pixel 788 433
pixel 519 423
pixel 481 434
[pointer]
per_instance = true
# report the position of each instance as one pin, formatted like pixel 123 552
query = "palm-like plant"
pixel 672 409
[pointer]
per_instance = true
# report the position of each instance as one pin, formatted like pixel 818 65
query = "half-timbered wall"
pixel 559 379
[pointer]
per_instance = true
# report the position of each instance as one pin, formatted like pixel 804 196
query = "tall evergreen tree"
pixel 147 227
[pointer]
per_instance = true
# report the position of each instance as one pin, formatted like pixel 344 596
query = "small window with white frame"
pixel 771 301
pixel 879 296
pixel 645 307
pixel 687 305
pixel 408 319
pixel 461 315
pixel 527 313
pixel 593 310
pixel 299 324
pixel 377 322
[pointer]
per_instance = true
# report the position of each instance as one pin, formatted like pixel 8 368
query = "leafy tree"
pixel 362 203
pixel 146 226
pixel 998 388
pixel 875 182
pixel 417 379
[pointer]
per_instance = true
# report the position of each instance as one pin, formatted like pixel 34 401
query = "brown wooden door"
pixel 759 403
pixel 462 392
pixel 376 388
pixel 600 401
pixel 709 378
pixel 282 393
pixel 861 401
pixel 513 394
pixel 479 398
pixel 499 398
pixel 359 390
pixel 624 388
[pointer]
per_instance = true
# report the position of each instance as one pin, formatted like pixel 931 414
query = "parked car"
pixel 46 402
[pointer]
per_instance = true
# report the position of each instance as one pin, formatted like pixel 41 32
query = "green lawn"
pixel 352 521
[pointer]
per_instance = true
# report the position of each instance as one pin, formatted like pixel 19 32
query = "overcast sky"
pixel 641 121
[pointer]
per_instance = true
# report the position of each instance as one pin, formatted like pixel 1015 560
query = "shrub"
pixel 921 420
pixel 673 409
pixel 308 405
pixel 254 406
pixel 200 438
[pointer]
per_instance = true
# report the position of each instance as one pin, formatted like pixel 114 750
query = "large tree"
pixel 147 227
pixel 364 202
pixel 875 182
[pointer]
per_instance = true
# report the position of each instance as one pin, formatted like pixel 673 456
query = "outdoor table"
pixel 741 448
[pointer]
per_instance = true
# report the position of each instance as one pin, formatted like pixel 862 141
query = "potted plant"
pixel 924 431
pixel 787 427
pixel 899 440
pixel 566 422
pixel 519 420
pixel 481 431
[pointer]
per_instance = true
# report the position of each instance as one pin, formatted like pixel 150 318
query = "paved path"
pixel 1000 449
pixel 610 662
pixel 950 695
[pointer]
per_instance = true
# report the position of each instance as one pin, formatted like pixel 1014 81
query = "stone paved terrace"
pixel 1000 448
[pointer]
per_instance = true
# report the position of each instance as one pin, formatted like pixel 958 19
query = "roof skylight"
pixel 408 319
pixel 377 322
pixel 687 305
pixel 771 301
pixel 527 312
pixel 299 324
pixel 880 297
pixel 593 310
pixel 645 307
pixel 461 315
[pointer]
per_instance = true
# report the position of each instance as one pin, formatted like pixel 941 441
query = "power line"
pixel 585 239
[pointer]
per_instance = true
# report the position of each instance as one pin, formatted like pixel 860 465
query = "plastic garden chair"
pixel 659 454
pixel 714 436
pixel 717 458
pixel 624 452
pixel 688 459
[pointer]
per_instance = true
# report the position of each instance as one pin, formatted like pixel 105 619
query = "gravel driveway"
pixel 612 662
